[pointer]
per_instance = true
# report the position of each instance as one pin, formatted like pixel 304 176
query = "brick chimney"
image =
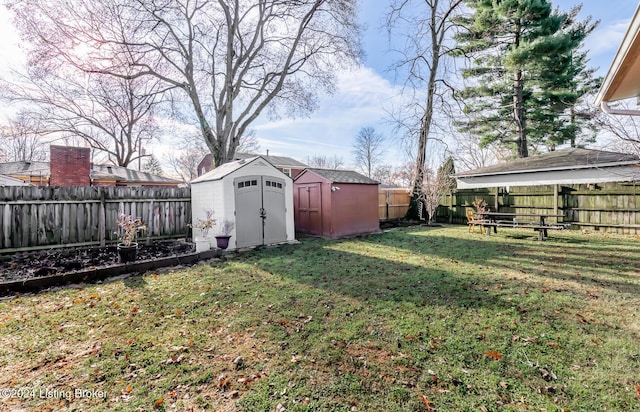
pixel 70 166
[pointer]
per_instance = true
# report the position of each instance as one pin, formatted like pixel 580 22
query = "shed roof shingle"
pixel 343 176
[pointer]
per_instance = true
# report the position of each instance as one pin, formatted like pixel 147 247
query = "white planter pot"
pixel 202 245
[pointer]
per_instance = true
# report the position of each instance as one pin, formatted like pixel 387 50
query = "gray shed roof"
pixel 223 170
pixel 342 176
pixel 566 159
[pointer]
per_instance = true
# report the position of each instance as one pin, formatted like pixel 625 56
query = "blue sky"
pixel 365 95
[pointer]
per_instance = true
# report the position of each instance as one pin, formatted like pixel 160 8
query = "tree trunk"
pixel 519 115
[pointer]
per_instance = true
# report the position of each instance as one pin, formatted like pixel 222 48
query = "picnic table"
pixel 535 221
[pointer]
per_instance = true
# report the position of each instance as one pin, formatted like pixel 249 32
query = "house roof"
pixel 119 173
pixel 572 158
pixel 623 78
pixel 11 181
pixel 277 161
pixel 568 166
pixel 98 171
pixel 341 176
pixel 25 168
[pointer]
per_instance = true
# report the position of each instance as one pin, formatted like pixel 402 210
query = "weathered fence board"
pixel 32 217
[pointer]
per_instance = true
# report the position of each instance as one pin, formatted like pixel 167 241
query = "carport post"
pixel 555 200
pixel 495 200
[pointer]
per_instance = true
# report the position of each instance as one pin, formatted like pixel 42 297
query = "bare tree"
pixel 383 174
pixel 190 152
pixel 625 129
pixel 435 185
pixel 20 140
pixel 249 143
pixel 231 59
pixel 325 162
pixel 367 149
pixel 114 116
pixel 425 25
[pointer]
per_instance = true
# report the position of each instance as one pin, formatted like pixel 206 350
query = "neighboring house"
pixel 72 166
pixel 567 166
pixel 286 165
pixel 623 78
pixel 12 181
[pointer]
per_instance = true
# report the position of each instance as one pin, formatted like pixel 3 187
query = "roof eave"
pixel 548 169
pixel 620 81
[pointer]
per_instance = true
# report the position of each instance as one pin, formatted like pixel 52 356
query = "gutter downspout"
pixel 609 110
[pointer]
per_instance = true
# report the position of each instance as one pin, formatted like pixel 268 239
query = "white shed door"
pixel 260 211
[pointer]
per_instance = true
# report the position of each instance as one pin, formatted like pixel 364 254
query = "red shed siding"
pixel 354 210
pixel 348 211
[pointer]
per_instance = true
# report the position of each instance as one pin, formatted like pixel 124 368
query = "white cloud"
pixel 361 99
pixel 607 39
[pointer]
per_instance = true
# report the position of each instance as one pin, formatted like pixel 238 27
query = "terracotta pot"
pixel 127 253
pixel 222 241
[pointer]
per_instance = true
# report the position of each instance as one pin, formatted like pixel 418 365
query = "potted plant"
pixel 128 228
pixel 204 225
pixel 222 239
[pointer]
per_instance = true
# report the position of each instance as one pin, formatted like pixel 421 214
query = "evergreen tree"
pixel 527 73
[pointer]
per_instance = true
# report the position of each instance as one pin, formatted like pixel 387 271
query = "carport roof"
pixel 566 159
pixel 568 166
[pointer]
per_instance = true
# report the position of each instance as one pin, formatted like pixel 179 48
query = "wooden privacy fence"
pixel 611 207
pixel 393 203
pixel 36 217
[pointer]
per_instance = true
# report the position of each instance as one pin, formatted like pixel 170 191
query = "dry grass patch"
pixel 410 320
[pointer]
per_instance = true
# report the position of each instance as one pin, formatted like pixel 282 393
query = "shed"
pixel 251 193
pixel 335 203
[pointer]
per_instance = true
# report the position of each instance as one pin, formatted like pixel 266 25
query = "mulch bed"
pixel 23 266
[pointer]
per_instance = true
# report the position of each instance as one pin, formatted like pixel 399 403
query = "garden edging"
pixel 100 273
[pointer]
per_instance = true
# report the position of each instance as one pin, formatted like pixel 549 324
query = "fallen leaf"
pixel 504 384
pixel 554 345
pixel 428 404
pixel 494 354
pixel 158 403
pixel 129 389
pixel 637 389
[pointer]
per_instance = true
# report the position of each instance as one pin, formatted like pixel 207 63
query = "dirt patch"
pixel 28 265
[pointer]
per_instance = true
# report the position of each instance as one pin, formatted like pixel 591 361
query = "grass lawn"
pixel 410 320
